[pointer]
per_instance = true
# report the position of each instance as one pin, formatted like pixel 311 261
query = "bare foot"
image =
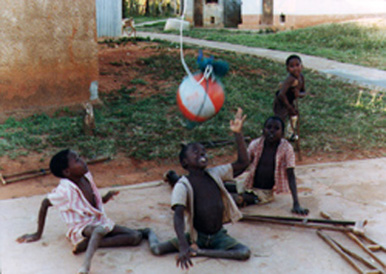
pixel 83 270
pixel 81 247
pixel 145 232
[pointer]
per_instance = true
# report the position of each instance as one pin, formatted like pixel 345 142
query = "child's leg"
pixel 292 128
pixel 221 245
pixel 238 252
pixel 123 236
pixel 95 233
pixel 81 247
pixel 119 236
pixel 158 248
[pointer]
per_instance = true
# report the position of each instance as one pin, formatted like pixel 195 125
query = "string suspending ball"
pixel 200 101
pixel 200 96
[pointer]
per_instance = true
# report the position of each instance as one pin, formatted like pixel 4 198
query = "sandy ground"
pixel 351 190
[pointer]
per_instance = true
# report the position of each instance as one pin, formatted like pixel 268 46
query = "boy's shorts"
pixel 264 196
pixel 218 241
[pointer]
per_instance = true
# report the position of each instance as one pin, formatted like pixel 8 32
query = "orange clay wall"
pixel 48 55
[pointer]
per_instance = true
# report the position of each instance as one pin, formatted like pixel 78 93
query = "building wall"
pixel 303 13
pixel 109 18
pixel 48 54
pixel 214 14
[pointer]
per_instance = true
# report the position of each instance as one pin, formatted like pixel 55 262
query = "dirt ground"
pixel 118 66
pixel 352 190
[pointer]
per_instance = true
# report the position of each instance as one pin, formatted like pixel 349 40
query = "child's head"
pixel 294 64
pixel 67 164
pixel 273 129
pixel 291 57
pixel 193 155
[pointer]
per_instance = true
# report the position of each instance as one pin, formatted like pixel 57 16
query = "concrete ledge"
pixel 175 24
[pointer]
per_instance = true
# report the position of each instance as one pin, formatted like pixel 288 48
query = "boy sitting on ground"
pixel 80 206
pixel 203 196
pixel 272 167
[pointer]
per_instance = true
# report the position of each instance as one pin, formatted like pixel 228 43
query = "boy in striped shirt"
pixel 81 208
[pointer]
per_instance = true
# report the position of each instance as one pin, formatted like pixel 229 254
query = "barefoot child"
pixel 272 167
pixel 202 195
pixel 80 205
pixel 290 90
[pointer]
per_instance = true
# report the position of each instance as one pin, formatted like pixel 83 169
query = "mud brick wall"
pixel 48 55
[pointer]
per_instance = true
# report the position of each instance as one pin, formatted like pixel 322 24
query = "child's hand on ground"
pixel 27 238
pixel 109 195
pixel 236 125
pixel 297 209
pixel 183 258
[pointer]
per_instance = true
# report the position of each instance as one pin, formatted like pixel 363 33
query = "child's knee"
pixel 100 230
pixel 245 253
pixel 155 250
pixel 137 238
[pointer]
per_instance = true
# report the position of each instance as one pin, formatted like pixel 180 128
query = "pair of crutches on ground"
pixel 354 230
pixel 368 245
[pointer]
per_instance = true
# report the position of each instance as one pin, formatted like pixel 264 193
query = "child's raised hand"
pixel 109 195
pixel 27 238
pixel 113 193
pixel 236 125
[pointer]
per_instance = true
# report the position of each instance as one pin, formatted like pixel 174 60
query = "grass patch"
pixel 335 116
pixel 143 19
pixel 348 42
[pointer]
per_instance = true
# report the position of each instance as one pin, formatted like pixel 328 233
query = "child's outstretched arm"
pixel 183 258
pixel 42 219
pixel 236 126
pixel 292 184
pixel 109 195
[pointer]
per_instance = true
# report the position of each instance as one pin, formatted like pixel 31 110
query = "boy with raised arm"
pixel 202 196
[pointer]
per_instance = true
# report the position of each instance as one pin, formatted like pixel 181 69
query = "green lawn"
pixel 348 43
pixel 334 116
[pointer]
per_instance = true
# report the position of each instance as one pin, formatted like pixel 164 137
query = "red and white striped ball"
pixel 200 102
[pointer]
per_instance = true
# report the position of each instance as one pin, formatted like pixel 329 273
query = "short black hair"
pixel 59 162
pixel 184 149
pixel 276 118
pixel 293 56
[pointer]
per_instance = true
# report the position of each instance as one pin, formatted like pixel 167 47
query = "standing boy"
pixel 202 195
pixel 290 90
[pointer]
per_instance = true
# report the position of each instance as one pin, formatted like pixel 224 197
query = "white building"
pixel 290 14
pixel 213 13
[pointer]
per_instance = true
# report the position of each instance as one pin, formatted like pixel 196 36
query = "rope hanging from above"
pixel 201 95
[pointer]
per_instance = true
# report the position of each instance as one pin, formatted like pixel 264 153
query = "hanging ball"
pixel 200 102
